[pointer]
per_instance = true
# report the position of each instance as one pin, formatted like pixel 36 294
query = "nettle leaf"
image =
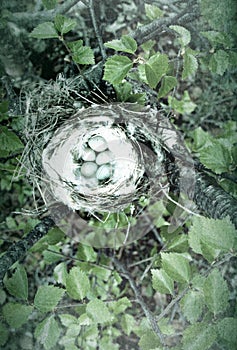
pixel 167 84
pixel 153 12
pixel 116 69
pixel 192 305
pixel 227 329
pixel 190 65
pixel 47 298
pixel 9 141
pixel 199 336
pixel 155 68
pixel 219 62
pixel 86 253
pixel 216 292
pixel 77 284
pixel 218 234
pixel 17 285
pixel 81 54
pixel 44 30
pixel 50 4
pixel 64 24
pixel 4 334
pixel 176 266
pixel 48 332
pixel 16 314
pixel 216 157
pixel 128 323
pixel 98 311
pixel 185 36
pixel 184 106
pixel 125 44
pixel 162 282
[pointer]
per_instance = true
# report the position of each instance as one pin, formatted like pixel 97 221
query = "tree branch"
pixel 151 318
pixel 19 250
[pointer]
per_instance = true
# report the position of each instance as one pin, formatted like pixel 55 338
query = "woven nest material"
pixel 101 162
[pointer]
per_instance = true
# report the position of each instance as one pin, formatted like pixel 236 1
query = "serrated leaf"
pixel 155 68
pixel 116 69
pixel 4 334
pixel 55 235
pixel 68 320
pixel 162 282
pixel 227 329
pixel 216 292
pixel 47 298
pixel 216 157
pixel 153 12
pixel 201 139
pixel 199 336
pixel 9 141
pixel 17 285
pixel 167 84
pixel 190 65
pixel 86 253
pixel 77 284
pixel 48 332
pixel 185 36
pixel 60 273
pixel 120 305
pixel 50 4
pixel 218 234
pixel 176 266
pixel 98 311
pixel 178 244
pixel 64 24
pixel 192 305
pixel 44 30
pixel 125 44
pixel 149 341
pixel 219 62
pixel 16 314
pixel 128 323
pixel 183 106
pixel 217 38
pixel 81 54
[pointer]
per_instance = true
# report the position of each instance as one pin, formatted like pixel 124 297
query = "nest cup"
pixel 97 168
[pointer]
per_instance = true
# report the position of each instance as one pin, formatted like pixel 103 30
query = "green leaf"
pixel 162 282
pixel 54 236
pixel 81 54
pixel 9 141
pixel 128 323
pixel 86 253
pixel 116 69
pixel 120 305
pixel 153 12
pixel 216 157
pixel 155 68
pixel 77 284
pixel 44 30
pixel 125 44
pixel 64 24
pixel 199 336
pixel 218 234
pixel 176 266
pixel 68 320
pixel 48 332
pixel 60 273
pixel 219 62
pixel 201 139
pixel 192 305
pixel 216 38
pixel 184 106
pixel 190 65
pixel 16 314
pixel 149 341
pixel 178 244
pixel 4 334
pixel 47 298
pixel 167 84
pixel 50 4
pixel 216 292
pixel 98 311
pixel 185 36
pixel 17 285
pixel 3 110
pixel 227 329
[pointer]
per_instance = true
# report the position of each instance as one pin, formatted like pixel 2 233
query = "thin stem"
pixel 96 29
pixel 152 320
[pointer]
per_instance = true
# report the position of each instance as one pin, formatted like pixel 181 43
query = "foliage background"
pixel 166 290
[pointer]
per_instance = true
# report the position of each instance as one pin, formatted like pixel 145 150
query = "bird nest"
pixel 103 168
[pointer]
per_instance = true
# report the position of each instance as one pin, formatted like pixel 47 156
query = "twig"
pixel 96 29
pixel 140 300
pixel 18 250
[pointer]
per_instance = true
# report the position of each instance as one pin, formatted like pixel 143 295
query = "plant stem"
pixel 96 29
